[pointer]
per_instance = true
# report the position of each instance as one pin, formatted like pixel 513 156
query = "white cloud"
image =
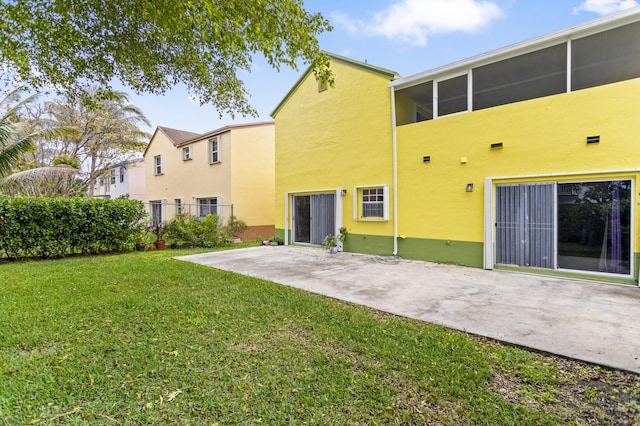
pixel 413 21
pixel 604 7
pixel 343 20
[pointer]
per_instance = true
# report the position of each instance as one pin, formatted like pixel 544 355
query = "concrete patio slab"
pixel 590 321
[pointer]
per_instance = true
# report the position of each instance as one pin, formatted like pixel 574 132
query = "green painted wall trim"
pixel 565 274
pixel 464 253
pixel 369 244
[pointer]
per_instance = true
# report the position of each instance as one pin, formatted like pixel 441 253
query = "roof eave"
pixel 581 30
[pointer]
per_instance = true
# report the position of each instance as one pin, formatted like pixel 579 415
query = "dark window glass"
pixel 452 95
pixel 528 76
pixel 594 226
pixel 606 57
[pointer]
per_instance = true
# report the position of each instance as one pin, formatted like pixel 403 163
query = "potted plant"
pixel 331 242
pixel 159 231
pixel 275 241
pixel 141 245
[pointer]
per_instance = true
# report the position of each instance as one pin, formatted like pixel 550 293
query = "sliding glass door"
pixel 583 226
pixel 314 218
pixel 594 226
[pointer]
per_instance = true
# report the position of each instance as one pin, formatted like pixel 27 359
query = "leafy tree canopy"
pixel 151 45
pixel 15 139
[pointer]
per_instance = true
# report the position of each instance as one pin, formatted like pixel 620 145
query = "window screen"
pixel 528 76
pixel 452 95
pixel 414 104
pixel 606 57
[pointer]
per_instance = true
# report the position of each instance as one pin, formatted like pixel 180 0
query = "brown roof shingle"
pixel 177 136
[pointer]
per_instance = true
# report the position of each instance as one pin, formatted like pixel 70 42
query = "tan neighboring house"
pixel 125 179
pixel 228 171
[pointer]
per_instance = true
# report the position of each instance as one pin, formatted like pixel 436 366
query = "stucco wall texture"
pixel 244 176
pixel 337 138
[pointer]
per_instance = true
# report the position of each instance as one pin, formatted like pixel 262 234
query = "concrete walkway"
pixel 594 322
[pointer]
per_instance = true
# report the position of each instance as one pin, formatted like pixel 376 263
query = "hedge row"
pixel 57 227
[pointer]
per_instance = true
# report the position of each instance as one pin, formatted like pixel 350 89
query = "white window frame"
pixel 122 172
pixel 158 168
pixel 358 202
pixel 112 176
pixel 199 210
pixel 156 220
pixel 178 204
pixel 186 153
pixel 214 153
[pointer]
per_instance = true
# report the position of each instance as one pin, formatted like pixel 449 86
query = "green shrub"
pixel 55 227
pixel 234 227
pixel 195 232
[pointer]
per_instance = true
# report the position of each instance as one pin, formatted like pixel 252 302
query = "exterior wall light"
pixel 469 187
pixel 343 192
pixel 496 145
pixel 426 159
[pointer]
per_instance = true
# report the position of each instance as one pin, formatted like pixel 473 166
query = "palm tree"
pixel 90 133
pixel 105 132
pixel 15 139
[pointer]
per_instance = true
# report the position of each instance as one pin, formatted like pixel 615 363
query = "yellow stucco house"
pixel 333 151
pixel 228 171
pixel 524 158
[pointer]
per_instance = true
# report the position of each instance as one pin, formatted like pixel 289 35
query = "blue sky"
pixel 407 36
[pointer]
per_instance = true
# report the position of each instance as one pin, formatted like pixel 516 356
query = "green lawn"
pixel 142 339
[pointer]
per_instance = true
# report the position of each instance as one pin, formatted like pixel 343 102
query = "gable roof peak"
pixel 391 75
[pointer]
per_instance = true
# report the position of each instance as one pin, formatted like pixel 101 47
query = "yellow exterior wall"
pixel 243 175
pixel 190 179
pixel 339 138
pixel 252 168
pixel 540 137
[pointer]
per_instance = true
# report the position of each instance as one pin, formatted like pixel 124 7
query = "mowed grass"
pixel 140 338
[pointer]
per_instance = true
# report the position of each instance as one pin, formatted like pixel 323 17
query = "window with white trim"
pixel 207 206
pixel 112 174
pixel 186 153
pixel 179 206
pixel 214 150
pixel 157 165
pixel 122 169
pixel 155 208
pixel 371 202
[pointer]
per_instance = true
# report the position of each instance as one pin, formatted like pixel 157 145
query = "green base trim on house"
pixel 279 233
pixel 369 244
pixel 566 274
pixel 465 253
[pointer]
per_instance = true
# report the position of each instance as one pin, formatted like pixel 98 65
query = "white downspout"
pixel 395 171
pixel 286 218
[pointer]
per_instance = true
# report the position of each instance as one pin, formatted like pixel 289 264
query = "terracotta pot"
pixel 159 244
